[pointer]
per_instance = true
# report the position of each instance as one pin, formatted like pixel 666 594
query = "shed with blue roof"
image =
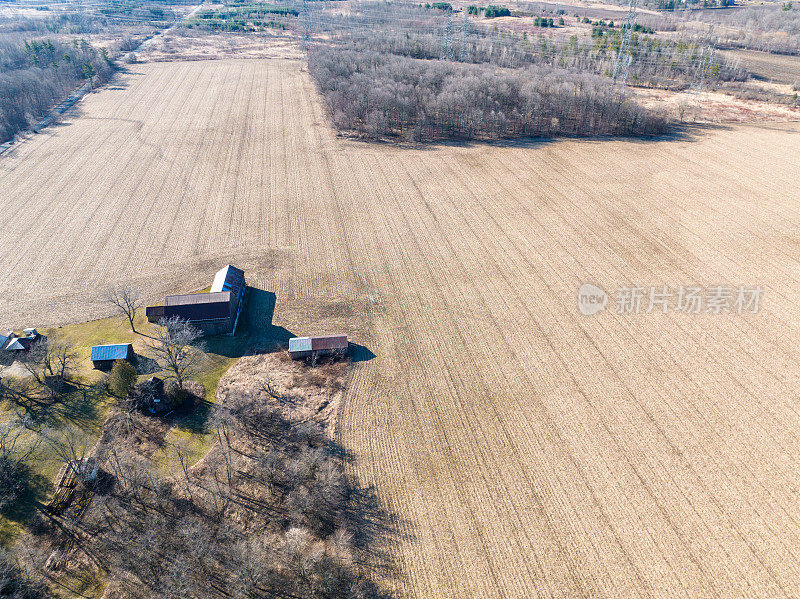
pixel 104 356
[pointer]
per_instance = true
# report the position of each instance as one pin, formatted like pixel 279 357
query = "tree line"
pixel 36 74
pixel 656 62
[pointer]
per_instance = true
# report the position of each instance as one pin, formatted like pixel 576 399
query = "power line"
pixel 624 54
pixel 464 35
pixel 447 46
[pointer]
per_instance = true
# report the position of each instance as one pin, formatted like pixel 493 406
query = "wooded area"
pixel 35 75
pixel 378 95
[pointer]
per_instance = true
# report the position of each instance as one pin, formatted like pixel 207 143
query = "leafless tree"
pixel 51 362
pixel 16 448
pixel 177 349
pixel 35 73
pixel 73 447
pixel 127 301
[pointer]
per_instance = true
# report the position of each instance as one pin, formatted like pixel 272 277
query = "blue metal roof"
pixel 110 352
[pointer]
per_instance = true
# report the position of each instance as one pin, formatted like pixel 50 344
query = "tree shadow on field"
pixel 678 132
pixel 146 365
pixel 32 491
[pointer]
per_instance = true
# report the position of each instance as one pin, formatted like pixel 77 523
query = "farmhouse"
pixel 104 356
pixel 305 347
pixel 9 341
pixel 214 313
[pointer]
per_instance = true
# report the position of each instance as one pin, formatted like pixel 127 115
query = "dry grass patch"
pixel 296 389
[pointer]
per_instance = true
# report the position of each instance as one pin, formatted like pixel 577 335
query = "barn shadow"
pixel 260 311
pixel 256 332
pixel 360 353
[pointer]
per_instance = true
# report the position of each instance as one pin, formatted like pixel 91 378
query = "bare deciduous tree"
pixel 127 301
pixel 73 447
pixel 177 349
pixel 51 363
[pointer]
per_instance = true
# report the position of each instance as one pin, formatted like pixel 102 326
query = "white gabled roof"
pixel 14 345
pixel 228 278
pixel 299 344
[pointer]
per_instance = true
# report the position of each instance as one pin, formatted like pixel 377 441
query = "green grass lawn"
pixel 86 407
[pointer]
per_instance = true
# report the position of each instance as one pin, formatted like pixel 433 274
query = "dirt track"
pixel 528 449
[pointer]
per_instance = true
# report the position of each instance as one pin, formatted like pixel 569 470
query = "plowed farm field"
pixel 525 449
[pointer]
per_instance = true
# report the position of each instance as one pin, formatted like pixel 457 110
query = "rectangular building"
pixel 104 356
pixel 214 313
pixel 321 345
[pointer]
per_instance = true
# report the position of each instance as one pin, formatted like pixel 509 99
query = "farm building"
pixel 104 356
pixel 214 313
pixel 17 344
pixel 154 313
pixel 9 341
pixel 306 347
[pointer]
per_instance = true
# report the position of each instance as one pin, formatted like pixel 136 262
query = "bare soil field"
pixel 526 449
pixel 774 67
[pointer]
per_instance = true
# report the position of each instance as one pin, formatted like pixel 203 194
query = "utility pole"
pixel 624 53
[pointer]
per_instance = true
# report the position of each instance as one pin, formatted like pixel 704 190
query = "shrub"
pixel 122 378
pixel 177 396
pixel 187 395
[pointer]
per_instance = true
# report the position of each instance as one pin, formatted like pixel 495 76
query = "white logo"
pixel 591 299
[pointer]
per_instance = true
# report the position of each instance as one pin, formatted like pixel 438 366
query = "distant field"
pixel 775 67
pixel 526 449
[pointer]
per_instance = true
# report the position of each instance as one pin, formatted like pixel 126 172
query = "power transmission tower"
pixel 464 35
pixel 624 53
pixel 705 65
pixel 447 46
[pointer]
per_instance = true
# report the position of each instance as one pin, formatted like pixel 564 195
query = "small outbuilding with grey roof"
pixel 322 345
pixel 104 356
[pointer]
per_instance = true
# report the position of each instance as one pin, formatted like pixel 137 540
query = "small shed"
pixel 321 345
pixel 104 356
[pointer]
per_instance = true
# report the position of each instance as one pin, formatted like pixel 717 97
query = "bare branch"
pixel 177 349
pixel 127 301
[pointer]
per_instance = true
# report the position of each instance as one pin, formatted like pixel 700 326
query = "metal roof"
pixel 17 344
pixel 197 298
pixel 199 306
pixel 329 342
pixel 230 279
pixel 322 342
pixel 110 352
pixel 299 344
